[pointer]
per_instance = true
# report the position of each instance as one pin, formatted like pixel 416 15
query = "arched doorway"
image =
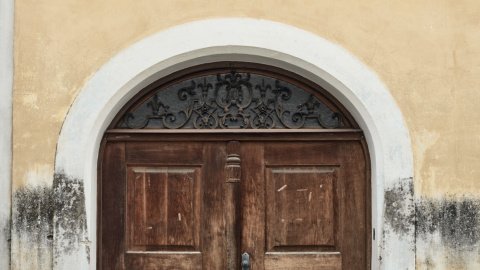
pixel 325 63
pixel 231 161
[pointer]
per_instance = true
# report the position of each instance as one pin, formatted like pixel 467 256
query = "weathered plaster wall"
pixel 426 52
pixel 6 87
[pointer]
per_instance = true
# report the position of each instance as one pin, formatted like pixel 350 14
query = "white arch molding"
pixel 265 42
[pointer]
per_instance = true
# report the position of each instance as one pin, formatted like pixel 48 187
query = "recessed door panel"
pixel 314 205
pixel 304 261
pixel 200 205
pixel 162 206
pixel 300 207
pixel 164 211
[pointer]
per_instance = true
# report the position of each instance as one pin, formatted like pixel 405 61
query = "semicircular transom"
pixel 233 96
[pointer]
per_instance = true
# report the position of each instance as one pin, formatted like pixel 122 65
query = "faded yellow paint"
pixel 426 52
pixel 39 172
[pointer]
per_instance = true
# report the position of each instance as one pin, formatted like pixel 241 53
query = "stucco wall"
pixel 426 53
pixel 6 86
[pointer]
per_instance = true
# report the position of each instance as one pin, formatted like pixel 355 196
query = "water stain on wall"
pixel 456 221
pixel 70 216
pixel 447 229
pixel 448 232
pixel 32 217
pixel 399 212
pixel 44 214
pixel 5 239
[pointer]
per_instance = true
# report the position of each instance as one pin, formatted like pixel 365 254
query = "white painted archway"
pixel 316 59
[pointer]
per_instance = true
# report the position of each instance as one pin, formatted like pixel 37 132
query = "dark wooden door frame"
pixel 119 128
pixel 243 135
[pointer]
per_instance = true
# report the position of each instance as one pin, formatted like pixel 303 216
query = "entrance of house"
pixel 234 166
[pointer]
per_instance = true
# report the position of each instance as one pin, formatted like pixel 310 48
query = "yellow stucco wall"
pixel 426 52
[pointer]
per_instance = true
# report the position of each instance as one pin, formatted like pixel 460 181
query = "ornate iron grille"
pixel 231 100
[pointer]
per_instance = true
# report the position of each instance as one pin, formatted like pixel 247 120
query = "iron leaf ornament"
pixel 232 100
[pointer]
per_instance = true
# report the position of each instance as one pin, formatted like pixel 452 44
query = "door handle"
pixel 245 261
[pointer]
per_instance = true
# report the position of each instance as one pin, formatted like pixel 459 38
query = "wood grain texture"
pixel 150 219
pixel 253 203
pixel 113 211
pixel 164 153
pixel 300 206
pixel 222 219
pixel 303 153
pixel 149 261
pixel 164 208
pixel 188 207
pixel 305 261
pixel 181 212
pixel 349 194
pixel 232 203
pixel 354 212
pixel 213 218
pixel 156 135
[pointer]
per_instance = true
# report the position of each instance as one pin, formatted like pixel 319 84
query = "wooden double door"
pixel 201 202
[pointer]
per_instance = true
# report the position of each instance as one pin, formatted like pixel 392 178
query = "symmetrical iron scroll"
pixel 231 100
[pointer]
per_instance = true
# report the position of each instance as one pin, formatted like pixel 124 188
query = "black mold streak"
pixel 399 207
pixel 6 231
pixel 36 208
pixel 456 219
pixel 32 216
pixel 70 214
pixel 33 209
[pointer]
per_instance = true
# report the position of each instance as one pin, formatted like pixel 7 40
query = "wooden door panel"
pixel 353 213
pixel 328 227
pixel 112 220
pixel 191 261
pixel 309 153
pixel 300 207
pixel 253 203
pixel 164 152
pixel 213 246
pixel 305 261
pixel 164 207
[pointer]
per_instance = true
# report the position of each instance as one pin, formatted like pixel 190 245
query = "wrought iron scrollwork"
pixel 233 100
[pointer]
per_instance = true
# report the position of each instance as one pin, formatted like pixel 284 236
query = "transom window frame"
pixel 217 102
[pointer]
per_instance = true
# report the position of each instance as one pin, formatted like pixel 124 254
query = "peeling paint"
pixel 39 174
pixel 71 236
pixel 448 233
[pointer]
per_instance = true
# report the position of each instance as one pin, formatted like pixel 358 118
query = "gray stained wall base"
pixel 6 88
